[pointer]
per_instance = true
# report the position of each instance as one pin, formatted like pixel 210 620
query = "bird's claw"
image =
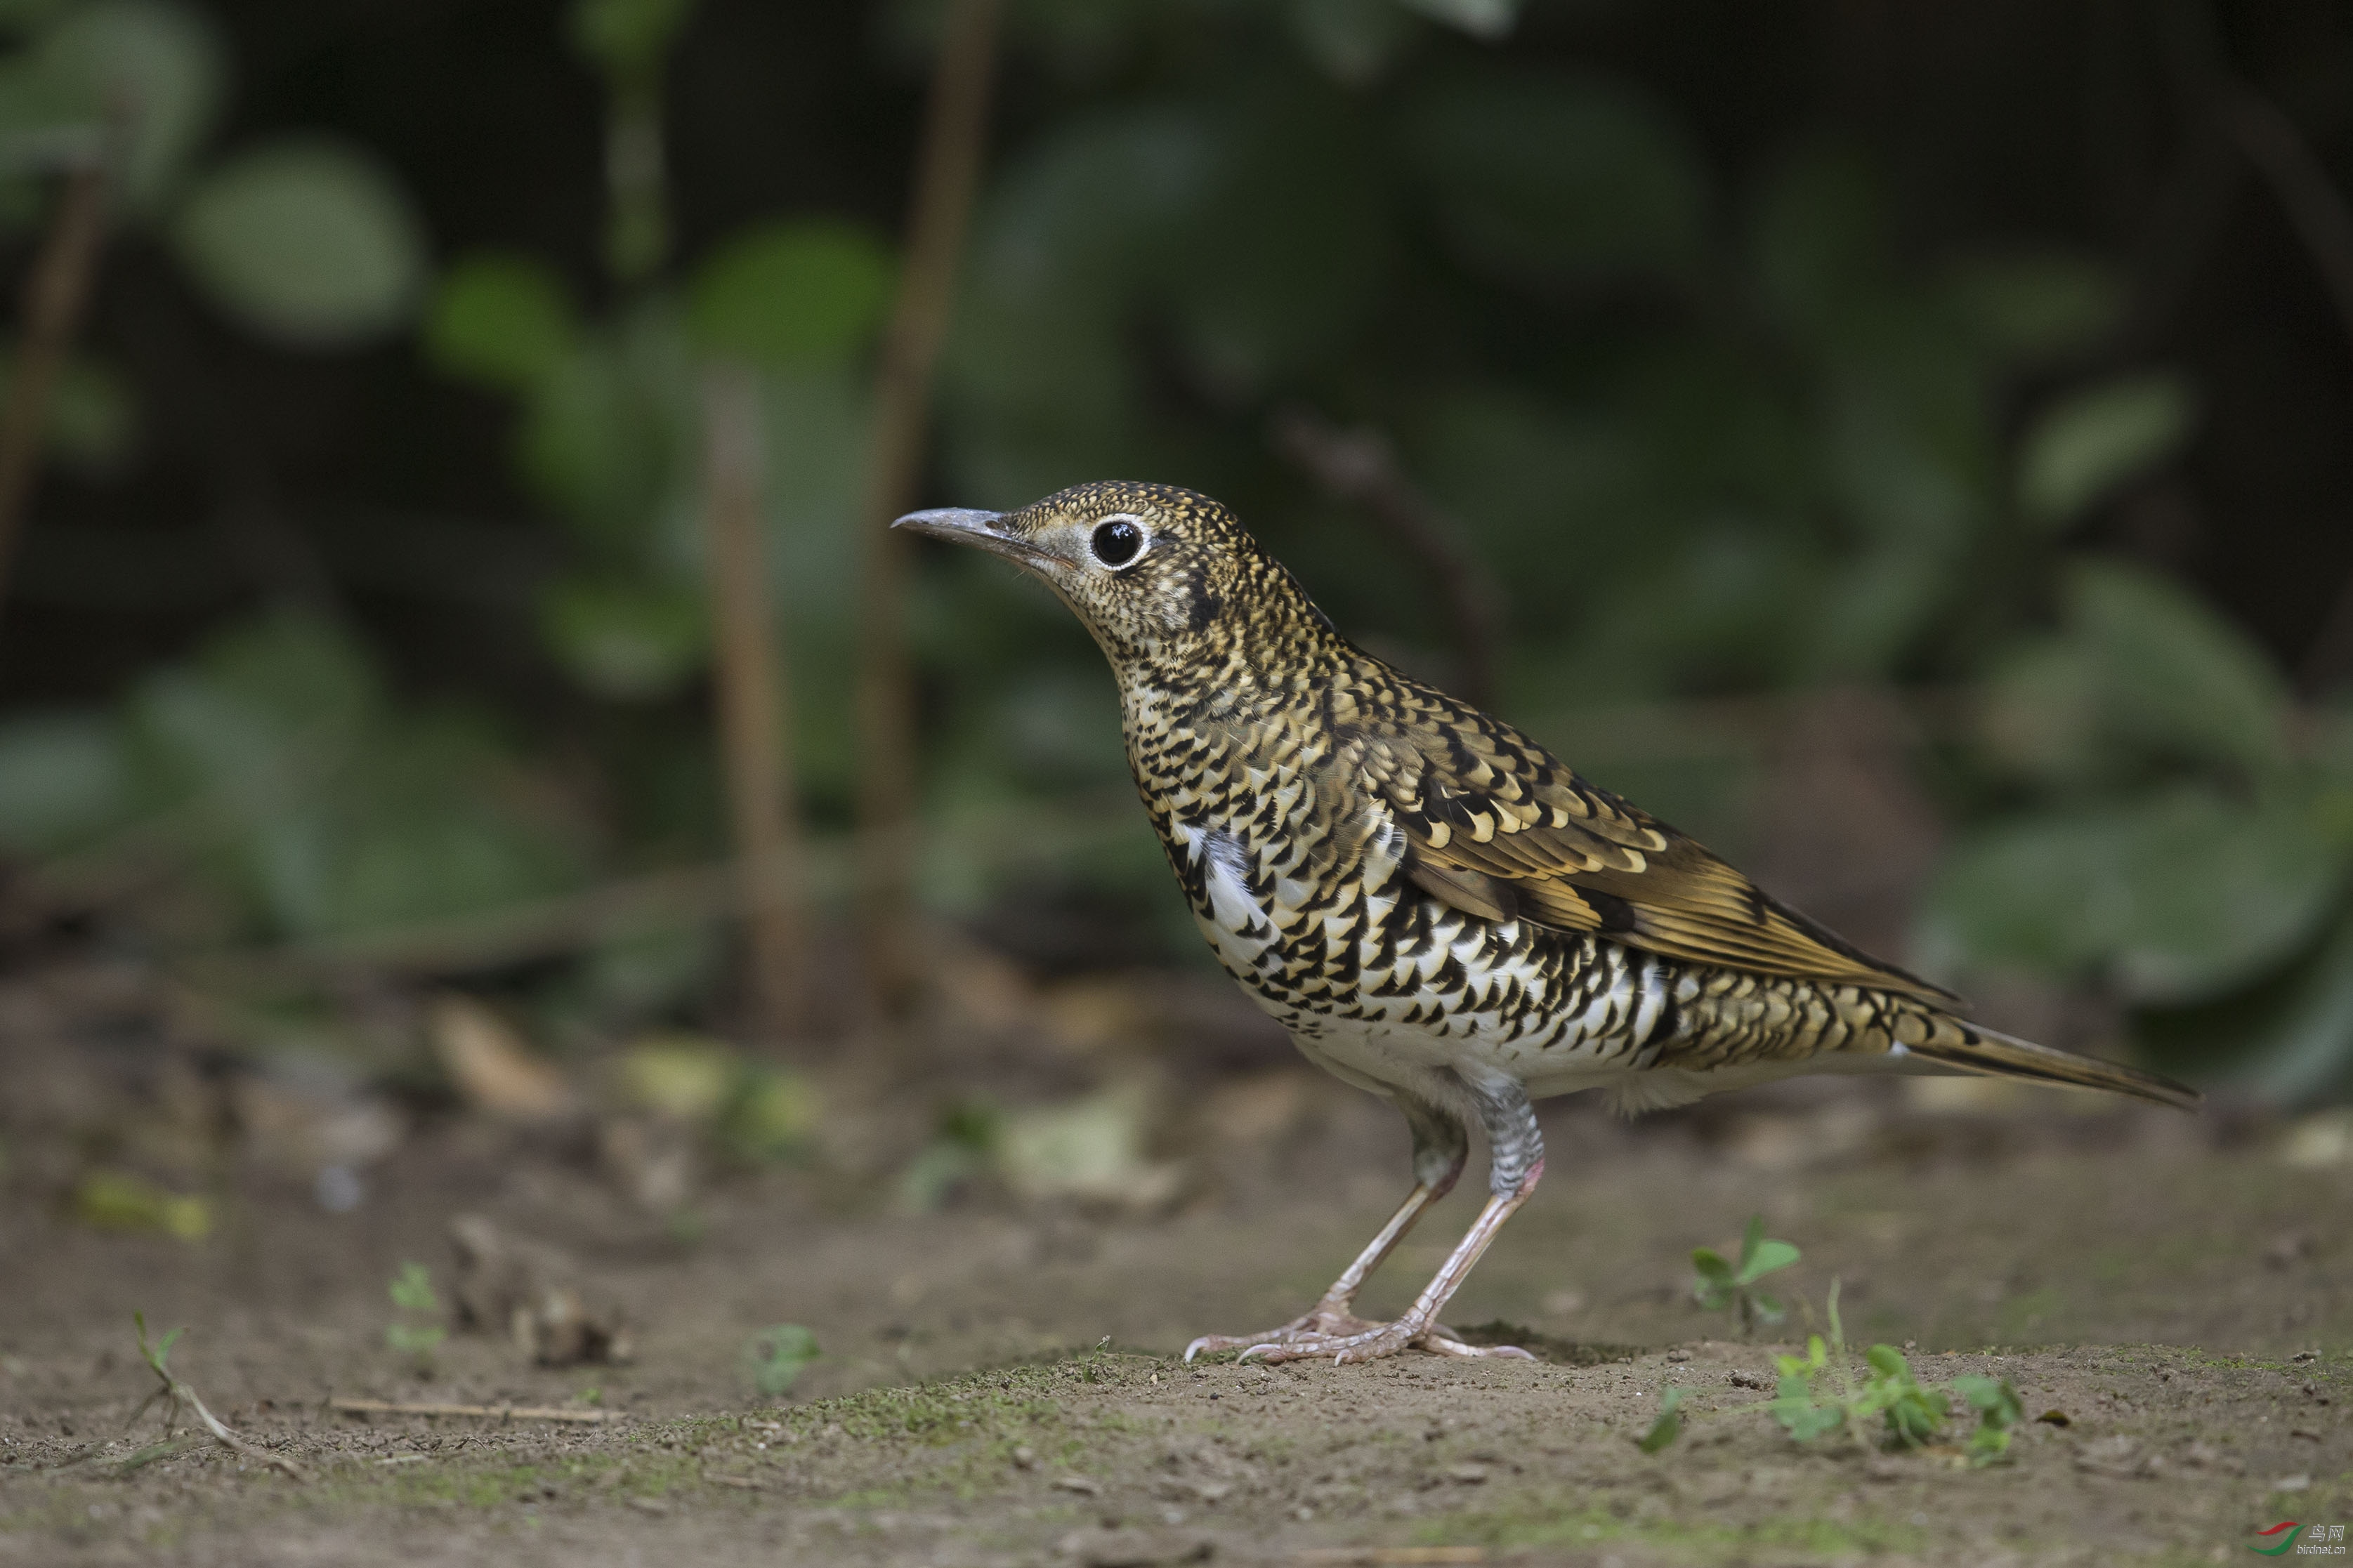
pixel 1367 1341
pixel 1325 1322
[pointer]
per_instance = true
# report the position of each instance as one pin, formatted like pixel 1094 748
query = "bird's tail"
pixel 1973 1048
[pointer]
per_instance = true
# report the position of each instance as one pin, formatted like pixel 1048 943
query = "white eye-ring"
pixel 1118 540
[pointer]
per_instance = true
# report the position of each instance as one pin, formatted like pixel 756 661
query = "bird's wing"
pixel 1497 826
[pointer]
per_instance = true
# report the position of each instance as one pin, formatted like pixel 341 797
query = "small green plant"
pixel 179 1400
pixel 412 1292
pixel 1999 1414
pixel 774 1357
pixel 1722 1284
pixel 1668 1427
pixel 1819 1394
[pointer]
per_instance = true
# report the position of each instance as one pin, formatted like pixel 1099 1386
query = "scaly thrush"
pixel 1437 908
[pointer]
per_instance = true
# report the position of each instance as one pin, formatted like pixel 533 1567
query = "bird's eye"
pixel 1117 541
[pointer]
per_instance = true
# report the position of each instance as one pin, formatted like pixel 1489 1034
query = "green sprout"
pixel 412 1291
pixel 1668 1427
pixel 1723 1285
pixel 181 1401
pixel 774 1357
pixel 1999 1413
pixel 1819 1392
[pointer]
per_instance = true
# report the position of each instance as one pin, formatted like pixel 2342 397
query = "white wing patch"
pixel 1237 925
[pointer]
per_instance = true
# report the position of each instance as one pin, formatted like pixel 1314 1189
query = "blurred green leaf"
pixel 48 119
pixel 1351 41
pixel 1488 19
pixel 116 1200
pixel 817 439
pixel 2078 450
pixel 791 294
pixel 1820 240
pixel 306 241
pixel 772 1115
pixel 606 431
pixel 15 16
pixel 627 37
pixel 298 790
pixel 1286 259
pixel 684 1077
pixel 629 640
pixel 2176 677
pixel 157 69
pixel 1559 177
pixel 2142 677
pixel 1094 1148
pixel 2175 898
pixel 774 1358
pixel 64 777
pixel 2289 1038
pixel 501 319
pixel 412 1290
pixel 1669 1424
pixel 1039 377
pixel 2033 307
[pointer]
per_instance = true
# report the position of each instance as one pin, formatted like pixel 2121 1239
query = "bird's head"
pixel 1163 577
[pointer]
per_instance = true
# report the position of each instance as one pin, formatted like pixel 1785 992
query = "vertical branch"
pixel 55 297
pixel 949 168
pixel 749 686
pixel 1360 467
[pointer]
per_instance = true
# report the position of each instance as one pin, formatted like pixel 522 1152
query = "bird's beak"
pixel 962 525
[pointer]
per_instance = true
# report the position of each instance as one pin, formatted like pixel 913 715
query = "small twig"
pixel 2315 207
pixel 475 1412
pixel 750 689
pixel 947 170
pixel 179 1398
pixel 1361 468
pixel 55 297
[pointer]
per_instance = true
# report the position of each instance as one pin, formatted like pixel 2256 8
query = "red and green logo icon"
pixel 2287 1529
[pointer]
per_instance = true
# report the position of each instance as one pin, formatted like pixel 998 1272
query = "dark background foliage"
pixel 1954 393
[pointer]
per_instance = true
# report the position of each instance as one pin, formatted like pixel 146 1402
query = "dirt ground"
pixel 1000 1384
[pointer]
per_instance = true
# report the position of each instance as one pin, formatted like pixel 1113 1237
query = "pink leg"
pixel 1439 1149
pixel 1331 1315
pixel 1420 1326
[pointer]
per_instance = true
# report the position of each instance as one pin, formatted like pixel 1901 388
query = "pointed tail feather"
pixel 1973 1047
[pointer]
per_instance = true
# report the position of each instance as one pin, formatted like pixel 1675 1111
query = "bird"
pixel 1435 907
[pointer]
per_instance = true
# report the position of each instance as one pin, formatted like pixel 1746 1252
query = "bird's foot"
pixel 1329 1320
pixel 1361 1341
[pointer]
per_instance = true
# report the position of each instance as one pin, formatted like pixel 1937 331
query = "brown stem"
pixel 2315 207
pixel 1359 467
pixel 55 297
pixel 946 176
pixel 751 705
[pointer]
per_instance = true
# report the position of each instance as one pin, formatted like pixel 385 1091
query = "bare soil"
pixel 1000 1383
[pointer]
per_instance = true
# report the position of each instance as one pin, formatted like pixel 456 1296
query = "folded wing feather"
pixel 1498 827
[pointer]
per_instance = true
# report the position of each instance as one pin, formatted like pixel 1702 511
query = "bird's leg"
pixel 1439 1150
pixel 1516 1164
